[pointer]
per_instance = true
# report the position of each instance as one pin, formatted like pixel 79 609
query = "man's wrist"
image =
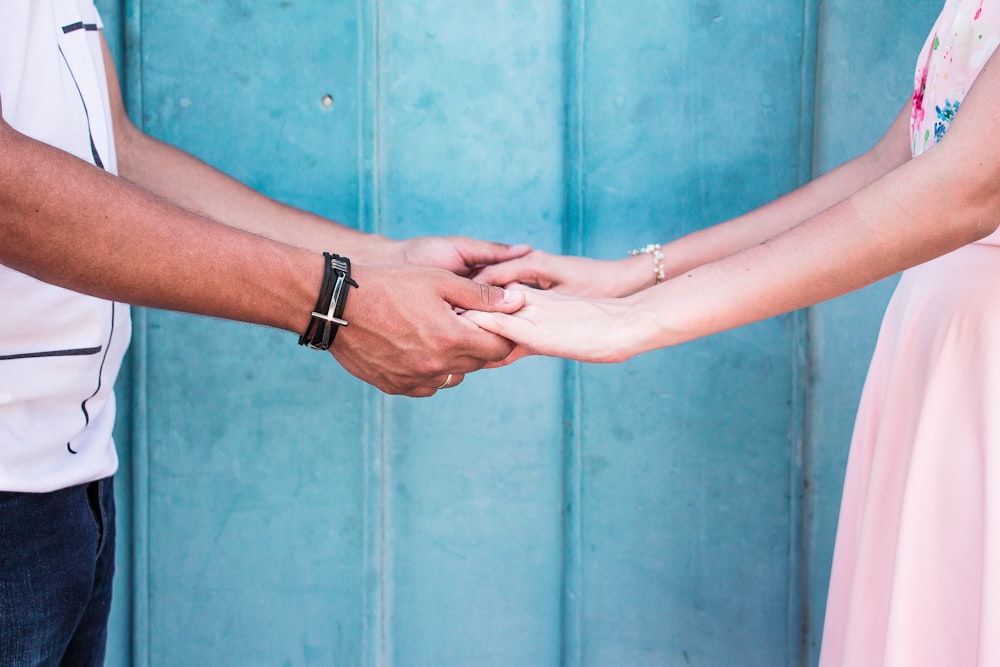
pixel 374 249
pixel 328 315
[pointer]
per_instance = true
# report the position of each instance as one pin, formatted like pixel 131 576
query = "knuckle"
pixel 429 366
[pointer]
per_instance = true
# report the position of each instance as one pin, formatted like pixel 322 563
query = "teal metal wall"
pixel 678 509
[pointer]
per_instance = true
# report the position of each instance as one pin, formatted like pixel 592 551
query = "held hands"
pixel 405 335
pixel 580 316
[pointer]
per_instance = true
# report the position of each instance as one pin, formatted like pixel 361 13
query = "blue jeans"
pixel 57 561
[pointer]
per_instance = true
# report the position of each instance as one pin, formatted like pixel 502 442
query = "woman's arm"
pixel 588 277
pixel 719 241
pixel 921 209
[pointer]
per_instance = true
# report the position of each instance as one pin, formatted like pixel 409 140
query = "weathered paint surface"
pixel 676 509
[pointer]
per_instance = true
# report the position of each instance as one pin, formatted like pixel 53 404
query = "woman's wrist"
pixel 640 270
pixel 656 254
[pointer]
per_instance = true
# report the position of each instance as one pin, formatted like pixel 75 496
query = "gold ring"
pixel 446 382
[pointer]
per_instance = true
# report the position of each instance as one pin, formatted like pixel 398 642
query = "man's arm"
pixel 71 224
pixel 189 182
pixel 193 184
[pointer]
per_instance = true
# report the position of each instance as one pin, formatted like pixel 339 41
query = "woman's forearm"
pixel 878 232
pixel 922 209
pixel 586 277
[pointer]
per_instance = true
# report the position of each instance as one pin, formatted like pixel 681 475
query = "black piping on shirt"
pixel 90 133
pixel 78 352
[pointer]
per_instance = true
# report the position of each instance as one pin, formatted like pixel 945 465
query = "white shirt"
pixel 60 351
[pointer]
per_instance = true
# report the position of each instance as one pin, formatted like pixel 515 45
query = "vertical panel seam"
pixel 799 630
pixel 377 557
pixel 369 105
pixel 573 233
pixel 139 427
pixel 377 400
pixel 808 83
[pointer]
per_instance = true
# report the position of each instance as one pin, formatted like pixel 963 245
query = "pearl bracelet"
pixel 654 250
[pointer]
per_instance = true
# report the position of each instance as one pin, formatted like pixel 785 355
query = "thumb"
pixel 469 295
pixel 477 253
pixel 519 353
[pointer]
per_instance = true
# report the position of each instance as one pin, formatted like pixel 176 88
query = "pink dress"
pixel 916 569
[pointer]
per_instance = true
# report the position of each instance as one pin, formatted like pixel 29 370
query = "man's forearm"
pixel 69 223
pixel 193 184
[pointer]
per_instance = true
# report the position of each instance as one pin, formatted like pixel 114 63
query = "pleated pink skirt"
pixel 916 569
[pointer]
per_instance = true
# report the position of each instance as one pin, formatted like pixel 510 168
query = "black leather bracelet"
pixel 328 315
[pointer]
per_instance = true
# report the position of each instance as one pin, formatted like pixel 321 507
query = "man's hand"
pixel 406 334
pixel 461 255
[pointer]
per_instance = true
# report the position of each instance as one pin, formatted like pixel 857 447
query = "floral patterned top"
pixel 965 36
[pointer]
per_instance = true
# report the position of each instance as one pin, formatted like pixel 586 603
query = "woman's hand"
pixel 597 330
pixel 581 276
